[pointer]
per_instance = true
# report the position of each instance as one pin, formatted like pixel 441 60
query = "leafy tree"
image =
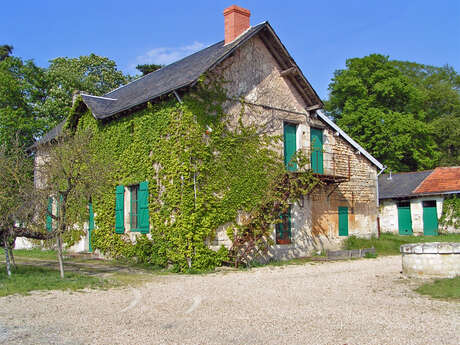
pixel 19 202
pixel 22 87
pixel 440 87
pixel 384 111
pixel 5 51
pixel 72 174
pixel 92 74
pixel 148 68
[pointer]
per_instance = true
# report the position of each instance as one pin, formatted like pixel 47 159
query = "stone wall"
pixel 314 225
pixel 435 259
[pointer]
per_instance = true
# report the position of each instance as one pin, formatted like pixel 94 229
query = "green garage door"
pixel 430 218
pixel 404 218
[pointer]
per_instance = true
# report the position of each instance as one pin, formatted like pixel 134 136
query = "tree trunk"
pixel 12 257
pixel 61 261
pixel 7 260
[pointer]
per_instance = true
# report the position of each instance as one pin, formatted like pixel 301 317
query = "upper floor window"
pixel 290 146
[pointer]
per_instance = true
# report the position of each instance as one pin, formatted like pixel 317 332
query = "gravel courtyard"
pixel 349 302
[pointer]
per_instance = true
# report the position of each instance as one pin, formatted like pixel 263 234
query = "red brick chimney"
pixel 236 22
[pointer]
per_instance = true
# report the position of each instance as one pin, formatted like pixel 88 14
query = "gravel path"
pixel 349 302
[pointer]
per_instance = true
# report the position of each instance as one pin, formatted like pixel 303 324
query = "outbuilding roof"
pixel 442 180
pixel 400 185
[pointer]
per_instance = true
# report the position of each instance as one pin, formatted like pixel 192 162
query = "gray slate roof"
pixel 50 135
pixel 179 74
pixel 401 184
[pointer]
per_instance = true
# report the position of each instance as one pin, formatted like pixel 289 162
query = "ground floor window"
pixel 136 215
pixel 283 229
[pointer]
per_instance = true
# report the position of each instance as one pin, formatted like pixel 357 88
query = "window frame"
pixel 134 221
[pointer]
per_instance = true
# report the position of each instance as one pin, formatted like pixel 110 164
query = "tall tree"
pixel 22 88
pixel 148 68
pixel 92 74
pixel 440 87
pixel 5 51
pixel 384 111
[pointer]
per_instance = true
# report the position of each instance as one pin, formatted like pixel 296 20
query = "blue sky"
pixel 320 35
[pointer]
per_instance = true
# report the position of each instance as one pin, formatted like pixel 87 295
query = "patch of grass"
pixel 36 253
pixel 370 255
pixel 278 263
pixel 388 243
pixel 30 278
pixel 448 288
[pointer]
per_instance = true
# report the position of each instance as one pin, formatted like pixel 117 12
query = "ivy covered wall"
pixel 200 174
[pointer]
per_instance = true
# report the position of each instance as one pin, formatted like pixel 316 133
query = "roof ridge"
pixel 408 172
pixel 172 63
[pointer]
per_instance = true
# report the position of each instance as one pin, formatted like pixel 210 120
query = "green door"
pixel 404 218
pixel 343 221
pixel 90 227
pixel 290 146
pixel 430 218
pixel 316 140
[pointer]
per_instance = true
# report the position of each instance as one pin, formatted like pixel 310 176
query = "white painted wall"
pixel 388 213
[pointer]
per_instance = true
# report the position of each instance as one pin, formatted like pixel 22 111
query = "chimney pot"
pixel 236 22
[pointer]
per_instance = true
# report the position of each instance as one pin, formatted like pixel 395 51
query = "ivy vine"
pixel 451 212
pixel 202 174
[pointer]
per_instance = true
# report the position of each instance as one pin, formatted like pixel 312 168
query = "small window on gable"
pixel 429 203
pixel 283 229
pixel 404 204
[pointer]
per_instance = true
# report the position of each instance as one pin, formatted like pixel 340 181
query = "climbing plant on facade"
pixel 202 172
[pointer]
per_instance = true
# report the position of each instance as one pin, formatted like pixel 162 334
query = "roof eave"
pixel 350 140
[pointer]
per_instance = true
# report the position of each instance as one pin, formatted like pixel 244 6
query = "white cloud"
pixel 167 55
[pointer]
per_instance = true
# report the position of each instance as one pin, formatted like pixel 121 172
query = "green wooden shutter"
pixel 49 219
pixel 316 140
pixel 119 210
pixel 143 207
pixel 343 221
pixel 283 229
pixel 90 226
pixel 290 146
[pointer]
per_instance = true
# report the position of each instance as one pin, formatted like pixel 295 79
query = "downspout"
pixel 378 201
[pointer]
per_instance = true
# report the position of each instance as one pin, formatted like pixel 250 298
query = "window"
pixel 283 229
pixel 290 146
pixel 133 211
pixel 136 215
pixel 429 203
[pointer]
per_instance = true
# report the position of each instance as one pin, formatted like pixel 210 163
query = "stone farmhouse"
pixel 412 202
pixel 259 70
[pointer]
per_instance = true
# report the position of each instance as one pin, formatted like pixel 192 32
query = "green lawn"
pixel 442 288
pixel 29 278
pixel 388 244
pixel 36 253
